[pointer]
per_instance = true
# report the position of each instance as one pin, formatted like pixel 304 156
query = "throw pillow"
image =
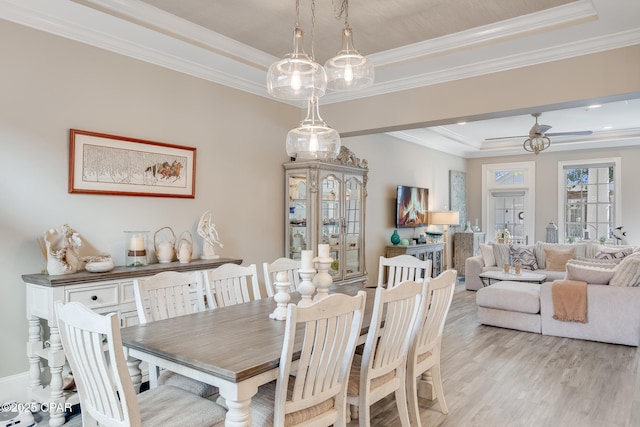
pixel 627 273
pixel 580 250
pixel 501 253
pixel 487 255
pixel 524 255
pixel 589 273
pixel 612 254
pixel 557 260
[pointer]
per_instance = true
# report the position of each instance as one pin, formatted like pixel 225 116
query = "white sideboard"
pixel 104 293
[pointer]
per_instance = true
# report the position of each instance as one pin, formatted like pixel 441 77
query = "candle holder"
pixel 306 287
pixel 323 279
pixel 136 248
pixel 282 296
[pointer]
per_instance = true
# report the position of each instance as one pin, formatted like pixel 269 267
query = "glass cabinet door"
pixel 353 226
pixel 331 220
pixel 298 205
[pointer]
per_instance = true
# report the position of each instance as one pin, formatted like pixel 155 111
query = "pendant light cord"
pixel 344 10
pixel 313 29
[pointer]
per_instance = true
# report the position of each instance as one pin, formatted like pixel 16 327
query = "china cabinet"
pixel 325 203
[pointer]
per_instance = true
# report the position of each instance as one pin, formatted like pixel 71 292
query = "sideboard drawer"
pixel 94 297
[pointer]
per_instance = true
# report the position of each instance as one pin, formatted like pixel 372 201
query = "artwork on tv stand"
pixel 411 206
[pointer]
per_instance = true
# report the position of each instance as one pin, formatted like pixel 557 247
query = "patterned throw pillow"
pixel 596 274
pixel 557 260
pixel 627 273
pixel 524 255
pixel 487 255
pixel 612 254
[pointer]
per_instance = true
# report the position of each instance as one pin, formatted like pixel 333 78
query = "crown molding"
pixel 567 14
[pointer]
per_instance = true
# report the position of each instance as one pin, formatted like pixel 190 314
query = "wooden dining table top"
pixel 233 343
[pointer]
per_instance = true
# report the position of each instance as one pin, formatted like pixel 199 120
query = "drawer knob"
pixel 94 298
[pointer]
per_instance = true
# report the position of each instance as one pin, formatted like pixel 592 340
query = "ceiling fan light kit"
pixel 298 77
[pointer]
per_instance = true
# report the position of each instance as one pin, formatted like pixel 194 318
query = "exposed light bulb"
pixel 296 83
pixel 348 73
pixel 313 143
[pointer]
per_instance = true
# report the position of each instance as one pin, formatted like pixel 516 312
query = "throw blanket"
pixel 569 300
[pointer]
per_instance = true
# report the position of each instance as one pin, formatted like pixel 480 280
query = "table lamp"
pixel 444 218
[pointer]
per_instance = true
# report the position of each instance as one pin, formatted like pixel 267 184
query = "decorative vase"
pixel 395 238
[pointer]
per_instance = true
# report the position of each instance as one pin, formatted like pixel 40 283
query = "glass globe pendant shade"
pixel 313 139
pixel 296 77
pixel 348 70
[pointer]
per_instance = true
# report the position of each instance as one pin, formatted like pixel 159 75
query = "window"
pixel 508 190
pixel 588 199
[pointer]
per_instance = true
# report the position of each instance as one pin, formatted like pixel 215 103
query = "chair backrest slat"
pixel 94 348
pixel 331 328
pixel 402 268
pixel 231 284
pixel 270 271
pixel 428 333
pixel 168 294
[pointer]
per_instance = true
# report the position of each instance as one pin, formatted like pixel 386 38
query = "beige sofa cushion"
pixel 593 274
pixel 510 296
pixel 627 273
pixel 556 260
pixel 580 250
pixel 487 255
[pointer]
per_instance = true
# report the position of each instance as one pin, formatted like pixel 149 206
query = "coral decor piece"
pixel 62 250
pixel 207 230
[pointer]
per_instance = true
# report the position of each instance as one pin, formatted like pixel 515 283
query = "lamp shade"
pixel 313 139
pixel 444 217
pixel 296 77
pixel 348 70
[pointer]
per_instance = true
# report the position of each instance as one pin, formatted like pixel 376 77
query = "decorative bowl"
pixel 100 265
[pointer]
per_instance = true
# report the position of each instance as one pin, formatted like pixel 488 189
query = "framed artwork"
pixel 109 164
pixel 458 195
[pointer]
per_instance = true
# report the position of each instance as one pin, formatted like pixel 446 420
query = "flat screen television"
pixel 411 206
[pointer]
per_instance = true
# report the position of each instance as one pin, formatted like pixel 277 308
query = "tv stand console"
pixel 426 251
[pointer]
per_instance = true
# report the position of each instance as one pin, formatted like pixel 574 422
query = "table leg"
pixel 239 413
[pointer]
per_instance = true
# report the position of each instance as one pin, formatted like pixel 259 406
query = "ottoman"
pixel 513 305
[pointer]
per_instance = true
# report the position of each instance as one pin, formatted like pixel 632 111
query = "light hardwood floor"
pixel 497 377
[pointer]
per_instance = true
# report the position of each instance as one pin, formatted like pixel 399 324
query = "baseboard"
pixel 14 388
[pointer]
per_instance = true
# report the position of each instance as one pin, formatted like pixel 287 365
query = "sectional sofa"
pixel 613 294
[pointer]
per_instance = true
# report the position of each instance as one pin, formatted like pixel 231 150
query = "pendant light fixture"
pixel 296 77
pixel 348 70
pixel 536 143
pixel 313 139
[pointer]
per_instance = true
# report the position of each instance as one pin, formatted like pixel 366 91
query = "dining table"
pixel 235 348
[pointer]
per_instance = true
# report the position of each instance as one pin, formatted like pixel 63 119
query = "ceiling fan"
pixel 538 139
pixel 541 130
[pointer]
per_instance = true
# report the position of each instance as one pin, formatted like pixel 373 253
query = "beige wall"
pixel 50 84
pixel 546 206
pixel 604 74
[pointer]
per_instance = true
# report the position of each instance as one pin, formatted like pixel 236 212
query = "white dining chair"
pixel 424 352
pixel 381 370
pixel 231 284
pixel 270 270
pixel 311 391
pixel 402 268
pixel 93 346
pixel 163 296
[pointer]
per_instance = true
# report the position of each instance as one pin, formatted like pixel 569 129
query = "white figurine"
pixel 63 250
pixel 207 229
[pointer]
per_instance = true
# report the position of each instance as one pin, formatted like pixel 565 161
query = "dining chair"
pixel 402 268
pixel 231 284
pixel 163 296
pixel 381 369
pixel 93 346
pixel 424 352
pixel 312 390
pixel 290 266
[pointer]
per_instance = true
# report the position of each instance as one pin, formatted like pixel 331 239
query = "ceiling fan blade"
pixel 542 129
pixel 582 132
pixel 506 137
